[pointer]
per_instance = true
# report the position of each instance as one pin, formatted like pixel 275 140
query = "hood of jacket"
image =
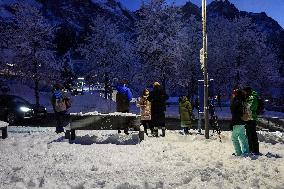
pixel 254 93
pixel 124 90
pixel 121 89
pixel 184 99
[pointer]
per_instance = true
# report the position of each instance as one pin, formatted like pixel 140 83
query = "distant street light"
pixel 205 71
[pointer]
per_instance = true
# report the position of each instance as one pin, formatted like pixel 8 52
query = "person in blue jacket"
pixel 123 98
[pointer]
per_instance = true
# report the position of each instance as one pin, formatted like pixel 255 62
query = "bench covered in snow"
pixel 4 128
pixel 98 121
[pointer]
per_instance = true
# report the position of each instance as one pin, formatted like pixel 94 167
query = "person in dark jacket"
pixel 239 137
pixel 251 104
pixel 58 101
pixel 123 98
pixel 158 98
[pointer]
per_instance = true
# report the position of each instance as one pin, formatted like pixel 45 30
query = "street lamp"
pixel 205 71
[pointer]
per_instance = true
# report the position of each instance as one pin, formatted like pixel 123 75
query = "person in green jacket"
pixel 251 105
pixel 185 111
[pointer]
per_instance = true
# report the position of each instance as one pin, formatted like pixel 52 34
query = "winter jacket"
pixel 145 108
pixel 123 98
pixel 252 103
pixel 58 101
pixel 185 111
pixel 237 109
pixel 158 98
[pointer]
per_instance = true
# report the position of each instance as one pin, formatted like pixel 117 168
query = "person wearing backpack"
pixel 60 103
pixel 251 117
pixel 123 98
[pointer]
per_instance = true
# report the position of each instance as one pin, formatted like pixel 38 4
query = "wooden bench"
pixel 101 122
pixel 4 129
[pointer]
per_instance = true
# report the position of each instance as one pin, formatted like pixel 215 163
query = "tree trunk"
pixel 36 77
pixel 36 80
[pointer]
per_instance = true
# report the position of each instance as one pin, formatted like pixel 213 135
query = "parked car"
pixel 14 109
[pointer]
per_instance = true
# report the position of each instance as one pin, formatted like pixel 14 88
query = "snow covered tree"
pixel 30 37
pixel 107 50
pixel 158 41
pixel 189 68
pixel 239 55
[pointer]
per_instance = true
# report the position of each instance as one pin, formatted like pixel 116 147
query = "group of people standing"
pixel 244 109
pixel 244 115
pixel 152 107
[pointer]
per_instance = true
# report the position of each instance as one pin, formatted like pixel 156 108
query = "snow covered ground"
pixel 39 158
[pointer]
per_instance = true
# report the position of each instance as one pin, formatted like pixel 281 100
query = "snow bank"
pixel 44 159
pixel 3 124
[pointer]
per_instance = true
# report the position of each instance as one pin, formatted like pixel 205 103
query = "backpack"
pixel 247 114
pixel 60 104
pixel 68 103
pixel 260 105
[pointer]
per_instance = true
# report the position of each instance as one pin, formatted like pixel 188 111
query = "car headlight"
pixel 25 109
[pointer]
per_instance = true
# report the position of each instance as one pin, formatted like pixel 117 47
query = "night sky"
pixel 273 8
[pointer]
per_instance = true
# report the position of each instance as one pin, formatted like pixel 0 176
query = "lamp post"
pixel 205 71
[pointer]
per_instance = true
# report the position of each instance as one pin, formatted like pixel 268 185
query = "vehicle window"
pixel 20 100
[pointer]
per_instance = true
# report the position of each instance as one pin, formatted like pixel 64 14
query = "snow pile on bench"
pixel 102 114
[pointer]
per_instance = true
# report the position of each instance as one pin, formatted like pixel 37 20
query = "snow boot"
pixel 152 131
pixel 163 132
pixel 145 130
pixel 186 132
pixel 155 132
pixel 126 131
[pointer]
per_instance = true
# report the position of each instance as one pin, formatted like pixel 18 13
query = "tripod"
pixel 213 121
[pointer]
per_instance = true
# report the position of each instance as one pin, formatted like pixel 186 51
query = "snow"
pixel 39 158
pixel 3 124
